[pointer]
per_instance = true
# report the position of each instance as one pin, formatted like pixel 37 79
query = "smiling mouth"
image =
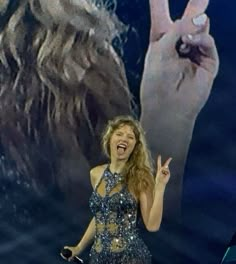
pixel 121 148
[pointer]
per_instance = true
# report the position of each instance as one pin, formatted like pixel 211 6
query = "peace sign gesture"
pixel 161 23
pixel 181 62
pixel 163 172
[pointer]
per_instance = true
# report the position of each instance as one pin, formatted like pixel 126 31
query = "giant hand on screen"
pixel 181 61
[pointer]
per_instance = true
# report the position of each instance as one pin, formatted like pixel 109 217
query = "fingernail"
pixel 200 20
pixel 184 48
pixel 189 36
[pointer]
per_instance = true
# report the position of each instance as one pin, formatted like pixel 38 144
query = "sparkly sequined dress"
pixel 116 240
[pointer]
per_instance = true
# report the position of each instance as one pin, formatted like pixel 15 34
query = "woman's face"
pixel 122 143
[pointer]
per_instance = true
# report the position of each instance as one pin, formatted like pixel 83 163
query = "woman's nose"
pixel 125 138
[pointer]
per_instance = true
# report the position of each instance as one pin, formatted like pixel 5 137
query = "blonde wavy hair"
pixel 138 170
pixel 60 82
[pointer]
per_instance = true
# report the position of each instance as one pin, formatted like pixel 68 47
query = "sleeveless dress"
pixel 116 238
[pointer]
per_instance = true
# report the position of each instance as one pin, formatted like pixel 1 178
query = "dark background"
pixel 33 229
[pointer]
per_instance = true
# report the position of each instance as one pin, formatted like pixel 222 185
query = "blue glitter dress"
pixel 116 239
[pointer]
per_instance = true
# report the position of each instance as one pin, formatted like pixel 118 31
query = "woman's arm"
pixel 176 85
pixel 84 242
pixel 152 208
pixel 151 203
pixel 89 234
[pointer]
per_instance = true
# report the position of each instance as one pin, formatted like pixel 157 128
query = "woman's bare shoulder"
pixel 96 174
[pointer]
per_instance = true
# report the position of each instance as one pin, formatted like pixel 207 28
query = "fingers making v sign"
pixel 182 60
pixel 163 171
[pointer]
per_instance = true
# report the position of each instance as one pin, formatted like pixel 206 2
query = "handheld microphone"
pixel 67 253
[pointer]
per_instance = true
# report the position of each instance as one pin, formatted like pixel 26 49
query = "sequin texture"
pixel 117 239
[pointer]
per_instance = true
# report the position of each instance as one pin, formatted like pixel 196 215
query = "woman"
pixel 121 187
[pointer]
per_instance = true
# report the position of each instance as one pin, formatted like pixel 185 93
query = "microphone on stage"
pixel 230 254
pixel 67 253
